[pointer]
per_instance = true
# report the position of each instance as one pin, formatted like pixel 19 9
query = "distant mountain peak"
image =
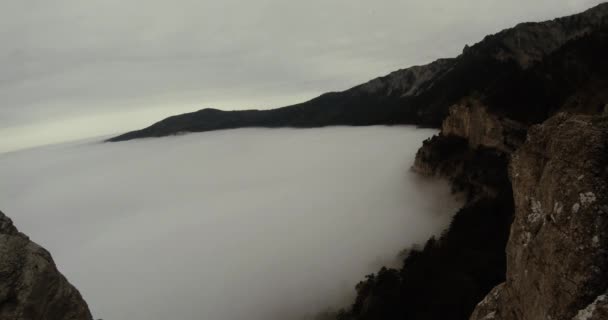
pixel 528 42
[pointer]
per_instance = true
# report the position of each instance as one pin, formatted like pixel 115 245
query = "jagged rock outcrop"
pixel 472 149
pixel 31 287
pixel 472 122
pixel 557 254
pixel 597 310
pixel 477 172
pixel 448 276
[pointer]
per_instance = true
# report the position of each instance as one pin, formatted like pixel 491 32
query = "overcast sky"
pixel 73 69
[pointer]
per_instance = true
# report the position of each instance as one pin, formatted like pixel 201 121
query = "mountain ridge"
pixel 419 95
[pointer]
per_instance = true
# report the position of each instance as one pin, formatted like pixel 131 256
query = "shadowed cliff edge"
pixel 31 287
pixel 557 262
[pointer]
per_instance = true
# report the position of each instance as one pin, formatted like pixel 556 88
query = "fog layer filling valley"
pixel 237 224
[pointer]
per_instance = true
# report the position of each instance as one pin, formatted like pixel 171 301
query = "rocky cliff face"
pixel 472 122
pixel 31 287
pixel 557 250
pixel 488 102
pixel 472 149
pixel 448 276
pixel 557 254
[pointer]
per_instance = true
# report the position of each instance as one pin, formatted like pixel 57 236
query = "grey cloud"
pixel 239 224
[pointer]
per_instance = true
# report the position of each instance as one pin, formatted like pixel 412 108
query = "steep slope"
pixel 478 138
pixel 418 95
pixel 552 179
pixel 448 276
pixel 557 260
pixel 31 287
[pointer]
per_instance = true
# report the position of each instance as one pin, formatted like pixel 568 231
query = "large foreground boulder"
pixel 31 287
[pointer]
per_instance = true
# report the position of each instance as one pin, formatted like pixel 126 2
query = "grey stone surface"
pixel 31 287
pixel 557 258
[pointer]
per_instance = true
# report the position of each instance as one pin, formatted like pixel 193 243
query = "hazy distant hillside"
pixel 525 72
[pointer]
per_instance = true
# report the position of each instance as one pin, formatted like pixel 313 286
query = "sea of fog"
pixel 237 224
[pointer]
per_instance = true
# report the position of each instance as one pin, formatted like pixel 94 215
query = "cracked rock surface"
pixel 557 260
